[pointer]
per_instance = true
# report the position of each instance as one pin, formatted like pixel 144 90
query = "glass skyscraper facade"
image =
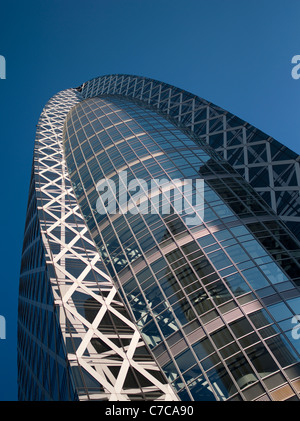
pixel 143 305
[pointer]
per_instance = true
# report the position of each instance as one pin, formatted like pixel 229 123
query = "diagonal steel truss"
pixel 270 167
pixel 106 352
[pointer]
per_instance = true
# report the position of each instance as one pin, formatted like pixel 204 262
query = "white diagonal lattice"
pixel 102 342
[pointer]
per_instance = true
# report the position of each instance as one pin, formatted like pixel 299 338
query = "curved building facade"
pixel 155 266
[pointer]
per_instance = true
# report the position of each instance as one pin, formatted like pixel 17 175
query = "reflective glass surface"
pixel 172 275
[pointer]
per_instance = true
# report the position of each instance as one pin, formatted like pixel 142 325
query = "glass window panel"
pixel 130 285
pixel 219 259
pixel 237 284
pixel 201 303
pixel 167 323
pixel 221 382
pixel 284 286
pixel 285 325
pixel 154 295
pixel 223 235
pixel 294 337
pixel 237 253
pixel 249 340
pixel 218 292
pixel 151 334
pixel 294 303
pixel 255 278
pixel 268 331
pixel 185 360
pixel 241 327
pixel 280 311
pixel 240 230
pixel 222 211
pixel 138 305
pixel 229 350
pixel 192 374
pixel 206 240
pixel 203 348
pixel 184 395
pixel 183 311
pixel 262 360
pixel 200 391
pixel 170 371
pixel 282 350
pixel 260 319
pixel 254 249
pixel 265 292
pixel 274 273
pixel 241 371
pixel 210 361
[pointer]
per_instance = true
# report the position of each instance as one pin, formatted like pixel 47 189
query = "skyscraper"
pixel 137 302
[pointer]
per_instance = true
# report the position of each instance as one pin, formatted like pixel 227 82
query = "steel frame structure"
pixel 270 167
pixel 68 247
pixel 102 344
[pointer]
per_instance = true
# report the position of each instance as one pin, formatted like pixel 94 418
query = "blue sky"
pixel 234 53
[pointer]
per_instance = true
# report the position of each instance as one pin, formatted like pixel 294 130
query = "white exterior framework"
pixel 85 298
pixel 143 307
